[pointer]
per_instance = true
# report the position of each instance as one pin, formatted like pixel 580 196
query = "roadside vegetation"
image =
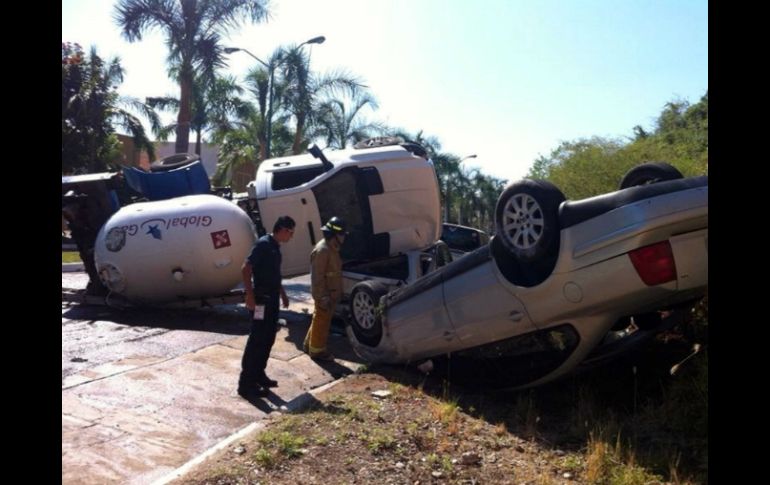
pixel 628 423
pixel 70 257
pixel 587 167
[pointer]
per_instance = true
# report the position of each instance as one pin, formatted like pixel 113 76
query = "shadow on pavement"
pixel 297 325
pixel 224 319
pixel 267 404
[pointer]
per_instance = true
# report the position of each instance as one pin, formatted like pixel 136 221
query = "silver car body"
pixel 472 302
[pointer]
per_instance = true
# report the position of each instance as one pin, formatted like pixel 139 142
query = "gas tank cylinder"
pixel 174 249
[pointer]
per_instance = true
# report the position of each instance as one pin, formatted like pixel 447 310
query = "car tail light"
pixel 654 263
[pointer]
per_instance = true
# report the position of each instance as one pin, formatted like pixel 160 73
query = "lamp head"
pixel 316 40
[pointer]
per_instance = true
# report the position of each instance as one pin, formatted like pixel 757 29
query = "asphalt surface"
pixel 145 391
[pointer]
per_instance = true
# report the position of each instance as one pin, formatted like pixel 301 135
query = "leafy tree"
pixel 587 167
pixel 342 122
pixel 90 108
pixel 306 91
pixel 213 101
pixel 193 30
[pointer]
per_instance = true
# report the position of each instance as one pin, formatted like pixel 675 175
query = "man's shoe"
pixel 325 356
pixel 252 392
pixel 267 382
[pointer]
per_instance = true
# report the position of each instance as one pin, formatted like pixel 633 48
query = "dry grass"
pixel 70 257
pixel 613 426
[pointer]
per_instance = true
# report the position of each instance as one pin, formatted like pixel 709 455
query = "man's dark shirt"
pixel 265 260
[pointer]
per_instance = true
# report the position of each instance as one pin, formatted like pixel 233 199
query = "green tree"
pixel 213 101
pixel 341 122
pixel 591 166
pixel 193 30
pixel 306 91
pixel 91 108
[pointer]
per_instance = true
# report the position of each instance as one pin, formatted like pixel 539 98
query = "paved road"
pixel 145 391
pixel 96 335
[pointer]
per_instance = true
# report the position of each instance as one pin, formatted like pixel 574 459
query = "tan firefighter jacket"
pixel 326 272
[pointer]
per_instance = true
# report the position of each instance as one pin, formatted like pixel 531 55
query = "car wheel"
pixel 365 315
pixel 172 162
pixel 527 219
pixel 649 173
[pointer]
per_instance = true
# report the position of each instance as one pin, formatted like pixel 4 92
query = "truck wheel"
pixel 527 219
pixel 649 173
pixel 365 317
pixel 378 141
pixel 172 162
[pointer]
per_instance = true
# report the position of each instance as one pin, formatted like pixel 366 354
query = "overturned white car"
pixel 560 283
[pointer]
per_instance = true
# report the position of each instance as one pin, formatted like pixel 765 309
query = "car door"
pixel 481 309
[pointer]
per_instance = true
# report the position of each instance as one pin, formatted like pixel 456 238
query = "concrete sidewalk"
pixel 138 419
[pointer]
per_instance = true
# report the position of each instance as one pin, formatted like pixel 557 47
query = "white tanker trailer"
pixel 174 250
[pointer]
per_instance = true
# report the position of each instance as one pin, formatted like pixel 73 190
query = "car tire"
pixel 527 219
pixel 365 317
pixel 649 173
pixel 172 162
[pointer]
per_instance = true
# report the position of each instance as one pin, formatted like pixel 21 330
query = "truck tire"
pixel 171 162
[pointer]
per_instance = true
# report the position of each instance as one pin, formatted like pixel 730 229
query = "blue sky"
pixel 507 80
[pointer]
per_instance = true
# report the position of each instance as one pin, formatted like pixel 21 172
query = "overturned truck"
pixel 166 246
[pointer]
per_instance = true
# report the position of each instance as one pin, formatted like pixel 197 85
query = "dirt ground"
pixel 395 426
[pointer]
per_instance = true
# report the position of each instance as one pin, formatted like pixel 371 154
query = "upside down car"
pixel 561 284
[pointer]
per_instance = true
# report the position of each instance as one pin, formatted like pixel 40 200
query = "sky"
pixel 505 80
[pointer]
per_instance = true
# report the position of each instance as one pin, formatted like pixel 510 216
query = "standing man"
pixel 263 267
pixel 326 286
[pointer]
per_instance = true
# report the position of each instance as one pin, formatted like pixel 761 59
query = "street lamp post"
pixel 271 69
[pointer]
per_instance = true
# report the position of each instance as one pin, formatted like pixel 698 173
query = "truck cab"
pixel 388 195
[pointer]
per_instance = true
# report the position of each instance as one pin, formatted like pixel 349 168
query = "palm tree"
pixel 91 108
pixel 488 190
pixel 341 122
pixel 238 145
pixel 305 92
pixel 213 102
pixel 192 29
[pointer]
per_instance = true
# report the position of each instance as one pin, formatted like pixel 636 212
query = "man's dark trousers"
pixel 259 344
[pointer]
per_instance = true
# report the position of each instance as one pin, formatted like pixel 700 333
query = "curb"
pixel 296 404
pixel 71 267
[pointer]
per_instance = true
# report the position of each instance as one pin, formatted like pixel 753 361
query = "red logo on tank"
pixel 220 239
